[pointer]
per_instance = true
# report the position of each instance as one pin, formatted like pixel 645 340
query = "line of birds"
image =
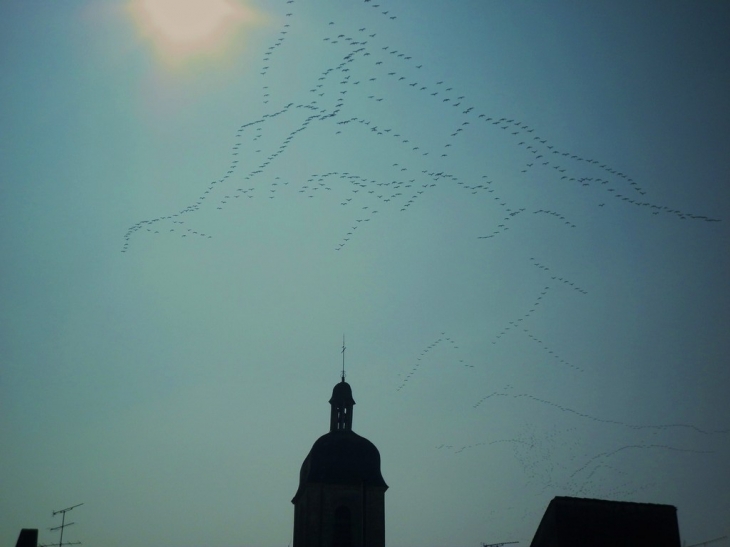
pixel 689 427
pixel 548 461
pixel 518 322
pixel 563 280
pixel 441 340
pixel 562 460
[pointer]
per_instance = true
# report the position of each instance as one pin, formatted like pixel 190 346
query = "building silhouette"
pixel 340 501
pixel 28 537
pixel 582 522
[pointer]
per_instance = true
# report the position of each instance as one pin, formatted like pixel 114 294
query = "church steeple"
pixel 340 501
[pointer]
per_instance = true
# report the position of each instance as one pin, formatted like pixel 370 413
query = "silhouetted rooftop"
pixel 584 522
pixel 28 537
pixel 341 457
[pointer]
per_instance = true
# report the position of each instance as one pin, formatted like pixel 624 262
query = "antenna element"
pixel 343 357
pixel 64 524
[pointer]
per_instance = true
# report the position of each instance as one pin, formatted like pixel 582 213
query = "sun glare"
pixel 183 29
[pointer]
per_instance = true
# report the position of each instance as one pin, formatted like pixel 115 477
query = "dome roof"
pixel 341 457
pixel 342 394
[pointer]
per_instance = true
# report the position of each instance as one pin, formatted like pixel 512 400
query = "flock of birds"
pixel 345 102
pixel 364 66
pixel 557 459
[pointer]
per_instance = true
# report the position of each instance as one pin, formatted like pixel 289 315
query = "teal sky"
pixel 516 212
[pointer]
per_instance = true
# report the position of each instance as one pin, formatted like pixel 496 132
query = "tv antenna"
pixel 64 524
pixel 499 544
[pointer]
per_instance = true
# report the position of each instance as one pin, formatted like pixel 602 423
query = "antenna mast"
pixel 343 357
pixel 64 525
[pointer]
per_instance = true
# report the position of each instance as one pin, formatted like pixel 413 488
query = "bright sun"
pixel 182 29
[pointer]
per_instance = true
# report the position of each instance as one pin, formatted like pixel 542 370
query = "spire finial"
pixel 343 357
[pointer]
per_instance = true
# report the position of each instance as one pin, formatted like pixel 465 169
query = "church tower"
pixel 341 497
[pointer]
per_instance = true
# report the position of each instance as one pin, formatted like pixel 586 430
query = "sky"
pixel 515 212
